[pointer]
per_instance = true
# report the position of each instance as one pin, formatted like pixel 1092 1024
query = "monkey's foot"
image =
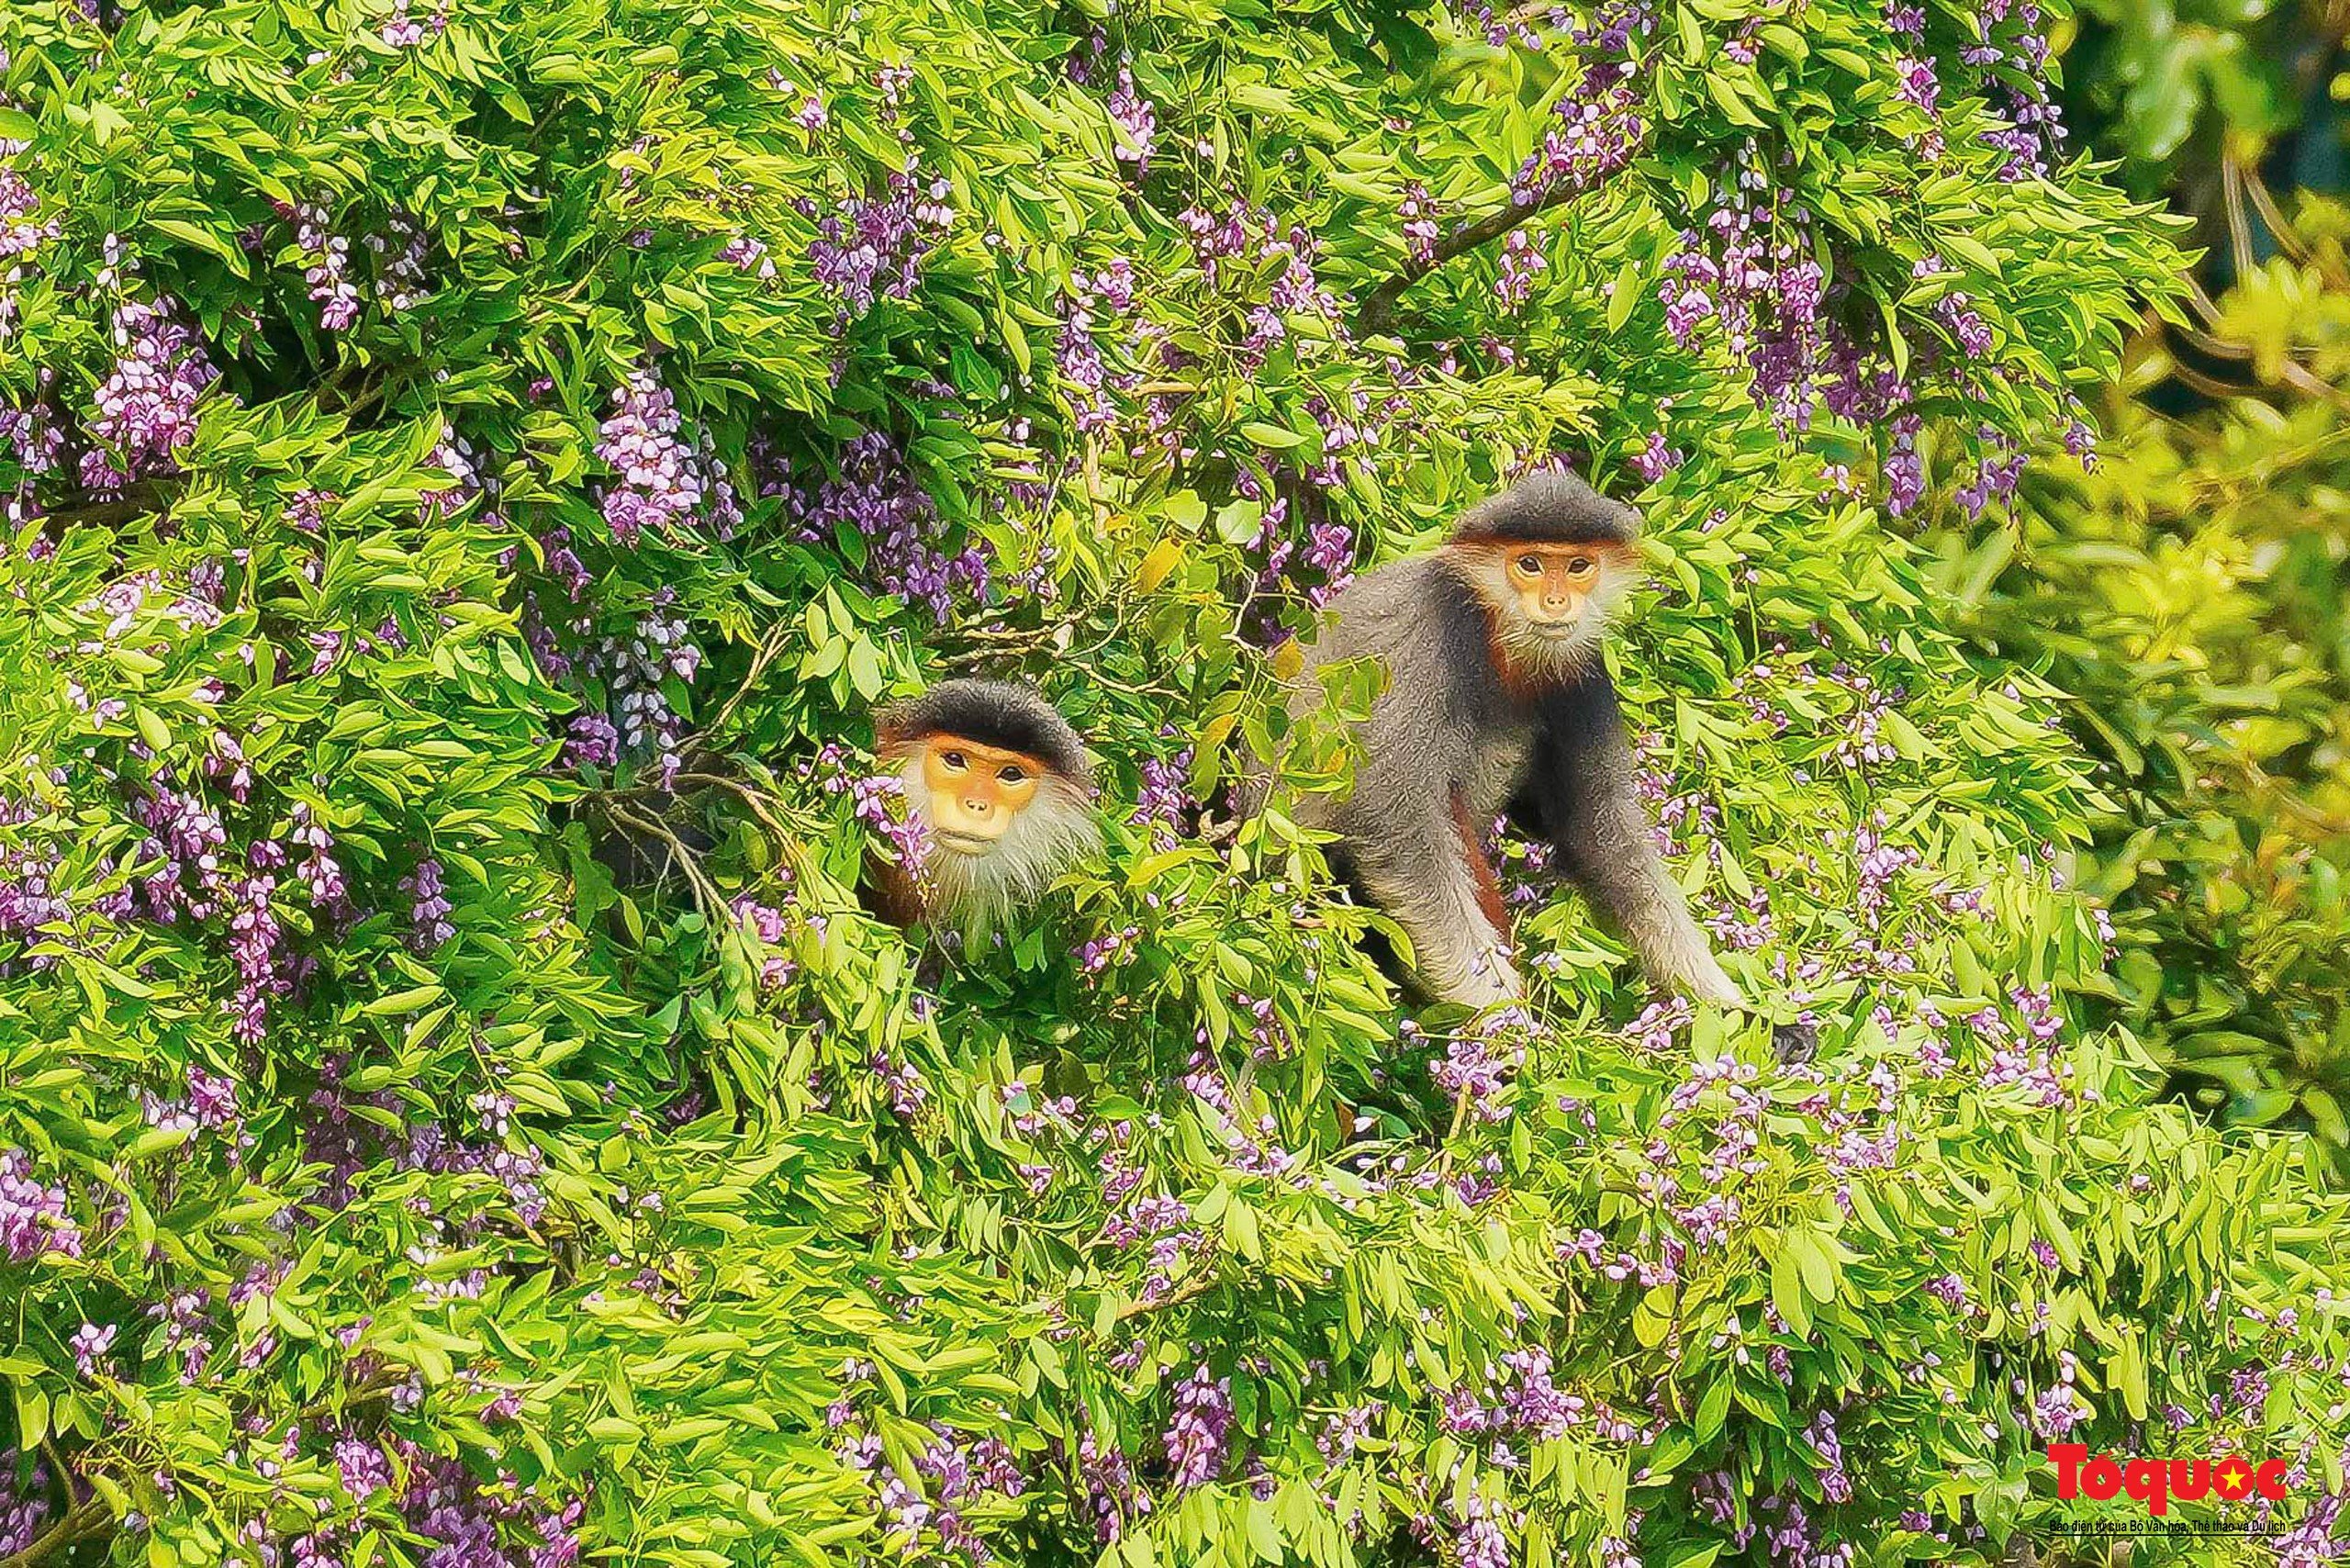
pixel 1795 1044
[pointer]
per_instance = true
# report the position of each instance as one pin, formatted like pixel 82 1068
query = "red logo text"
pixel 2154 1482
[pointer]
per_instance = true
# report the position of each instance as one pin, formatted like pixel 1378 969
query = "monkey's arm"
pixel 1457 951
pixel 1415 855
pixel 1580 796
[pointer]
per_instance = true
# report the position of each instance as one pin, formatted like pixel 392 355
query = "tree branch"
pixel 1190 1290
pixel 76 1524
pixel 1377 312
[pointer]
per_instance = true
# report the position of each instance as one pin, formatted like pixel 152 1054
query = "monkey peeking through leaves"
pixel 1498 696
pixel 1000 782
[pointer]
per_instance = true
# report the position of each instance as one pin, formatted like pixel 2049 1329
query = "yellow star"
pixel 2234 1475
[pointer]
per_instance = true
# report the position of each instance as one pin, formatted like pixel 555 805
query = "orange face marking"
pixel 976 791
pixel 1553 581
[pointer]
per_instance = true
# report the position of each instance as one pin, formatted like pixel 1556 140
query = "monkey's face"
pixel 1002 825
pixel 1548 600
pixel 1553 583
pixel 977 793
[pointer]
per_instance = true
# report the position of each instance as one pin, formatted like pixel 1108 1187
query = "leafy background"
pixel 2189 593
pixel 472 471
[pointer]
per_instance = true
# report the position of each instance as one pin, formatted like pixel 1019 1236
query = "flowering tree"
pixel 471 474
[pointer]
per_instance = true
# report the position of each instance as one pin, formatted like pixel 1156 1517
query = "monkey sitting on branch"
pixel 1498 696
pixel 999 784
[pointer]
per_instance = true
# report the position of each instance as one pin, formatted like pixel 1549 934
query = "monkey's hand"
pixel 1489 979
pixel 1707 981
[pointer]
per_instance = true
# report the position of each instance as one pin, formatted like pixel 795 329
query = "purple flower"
pixel 765 925
pixel 903 1079
pixel 749 253
pixel 1919 84
pixel 89 1343
pixel 1116 1499
pixel 428 915
pixel 875 495
pixel 1904 473
pixel 1521 263
pixel 1477 1539
pixel 632 667
pixel 145 409
pixel 399 30
pixel 1600 127
pixel 1655 460
pixel 1136 120
pixel 1165 795
pixel 593 742
pixel 1420 231
pixel 666 484
pixel 1472 1070
pixel 325 266
pixel 1834 1482
pixel 20 231
pixel 32 1214
pixel 365 1468
pixel 873 248
pixel 1195 1436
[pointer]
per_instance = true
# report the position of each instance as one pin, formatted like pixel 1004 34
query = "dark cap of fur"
pixel 1549 507
pixel 991 713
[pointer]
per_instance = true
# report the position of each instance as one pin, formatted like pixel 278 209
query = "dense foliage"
pixel 2190 594
pixel 461 459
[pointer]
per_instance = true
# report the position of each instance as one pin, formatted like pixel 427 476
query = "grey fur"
pixel 1442 722
pixel 1581 793
pixel 1550 506
pixel 1447 722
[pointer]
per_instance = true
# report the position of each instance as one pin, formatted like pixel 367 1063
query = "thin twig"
pixel 1377 312
pixel 1196 1286
pixel 705 890
pixel 2286 239
pixel 2201 301
pixel 770 648
pixel 756 800
pixel 2216 346
pixel 2291 371
pixel 2302 379
pixel 2211 385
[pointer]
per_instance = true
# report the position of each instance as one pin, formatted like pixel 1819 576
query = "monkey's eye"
pixel 955 760
pixel 1012 773
pixel 1579 567
pixel 1531 566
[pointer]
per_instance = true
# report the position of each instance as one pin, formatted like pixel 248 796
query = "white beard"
pixel 974 894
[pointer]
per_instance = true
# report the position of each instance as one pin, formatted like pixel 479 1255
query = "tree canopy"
pixel 452 454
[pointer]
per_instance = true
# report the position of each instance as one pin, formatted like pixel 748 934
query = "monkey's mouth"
pixel 968 844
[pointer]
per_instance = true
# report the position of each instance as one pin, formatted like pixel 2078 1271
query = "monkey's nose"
pixel 979 808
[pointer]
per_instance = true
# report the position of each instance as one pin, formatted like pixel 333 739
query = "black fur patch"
pixel 1549 507
pixel 993 713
